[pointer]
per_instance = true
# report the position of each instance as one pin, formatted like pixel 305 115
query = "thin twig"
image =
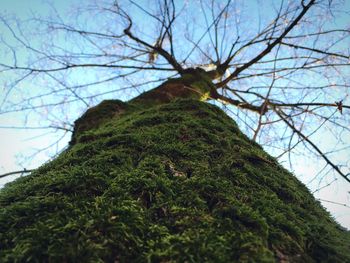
pixel 16 172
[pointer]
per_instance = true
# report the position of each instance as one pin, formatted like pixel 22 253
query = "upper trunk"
pixel 172 180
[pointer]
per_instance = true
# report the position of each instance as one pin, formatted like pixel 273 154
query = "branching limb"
pixel 282 115
pixel 268 48
pixel 243 105
pixel 172 61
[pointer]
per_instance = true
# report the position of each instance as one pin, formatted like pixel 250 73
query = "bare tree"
pixel 279 68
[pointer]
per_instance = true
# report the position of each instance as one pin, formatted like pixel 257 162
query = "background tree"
pixel 280 69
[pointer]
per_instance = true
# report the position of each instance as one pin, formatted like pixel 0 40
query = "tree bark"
pixel 164 178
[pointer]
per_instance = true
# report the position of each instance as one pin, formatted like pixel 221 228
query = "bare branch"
pixel 281 114
pixel 268 48
pixel 24 171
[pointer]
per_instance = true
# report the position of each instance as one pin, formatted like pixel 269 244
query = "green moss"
pixel 176 182
pixel 193 84
pixel 199 80
pixel 97 115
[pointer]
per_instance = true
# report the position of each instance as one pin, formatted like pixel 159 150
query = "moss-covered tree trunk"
pixel 163 179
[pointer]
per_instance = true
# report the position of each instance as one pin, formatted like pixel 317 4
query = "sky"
pixel 15 144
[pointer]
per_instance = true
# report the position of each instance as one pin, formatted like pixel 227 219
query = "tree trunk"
pixel 163 179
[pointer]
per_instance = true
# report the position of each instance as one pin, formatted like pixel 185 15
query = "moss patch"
pixel 193 84
pixel 176 182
